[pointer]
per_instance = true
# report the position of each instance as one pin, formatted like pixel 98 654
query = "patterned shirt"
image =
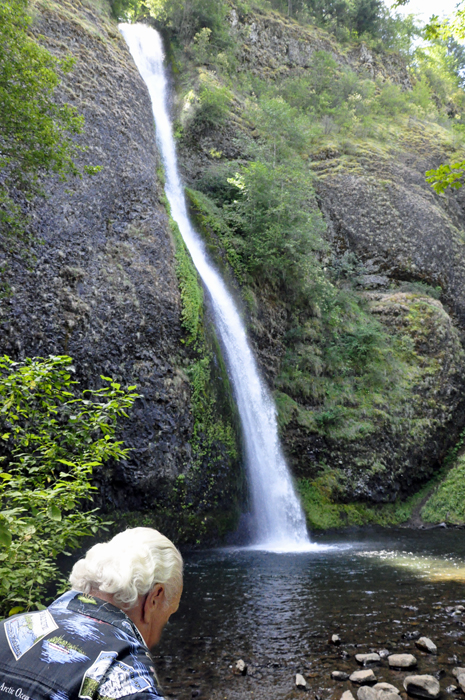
pixel 80 648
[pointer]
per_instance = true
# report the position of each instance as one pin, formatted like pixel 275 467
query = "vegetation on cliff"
pixel 263 123
pixel 36 132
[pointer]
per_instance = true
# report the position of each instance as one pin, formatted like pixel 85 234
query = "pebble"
pixel 425 644
pixel 335 639
pixel 402 661
pixel 384 653
pixel 300 681
pixel 422 686
pixel 451 689
pixel 241 667
pixel 339 675
pixel 363 677
pixel 365 659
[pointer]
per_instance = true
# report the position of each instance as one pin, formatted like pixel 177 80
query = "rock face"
pixel 104 289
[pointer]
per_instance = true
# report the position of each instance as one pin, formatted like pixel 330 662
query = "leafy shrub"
pixel 52 436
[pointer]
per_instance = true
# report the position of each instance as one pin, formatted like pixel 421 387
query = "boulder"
pixel 339 675
pixel 425 644
pixel 366 659
pixel 422 686
pixel 300 682
pixel 402 661
pixel 363 677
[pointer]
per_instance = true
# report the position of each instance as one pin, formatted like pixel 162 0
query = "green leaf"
pixel 5 535
pixel 16 610
pixel 54 513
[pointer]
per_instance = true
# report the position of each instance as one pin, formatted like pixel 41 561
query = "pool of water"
pixel 376 590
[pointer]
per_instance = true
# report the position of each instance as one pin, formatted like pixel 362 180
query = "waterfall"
pixel 277 514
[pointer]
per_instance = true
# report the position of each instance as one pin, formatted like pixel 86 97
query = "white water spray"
pixel 278 517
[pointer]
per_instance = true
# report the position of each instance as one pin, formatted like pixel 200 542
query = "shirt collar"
pixel 106 612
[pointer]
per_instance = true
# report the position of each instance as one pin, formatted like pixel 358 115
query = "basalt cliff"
pixel 111 280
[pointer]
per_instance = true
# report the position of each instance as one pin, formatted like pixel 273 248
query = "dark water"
pixel 277 612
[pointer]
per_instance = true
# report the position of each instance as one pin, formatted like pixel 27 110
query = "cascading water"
pixel 278 517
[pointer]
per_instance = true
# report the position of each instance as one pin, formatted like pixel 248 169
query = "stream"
pixel 376 589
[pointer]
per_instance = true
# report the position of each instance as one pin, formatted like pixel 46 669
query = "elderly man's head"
pixel 139 571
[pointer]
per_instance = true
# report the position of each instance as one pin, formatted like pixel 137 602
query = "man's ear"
pixel 153 599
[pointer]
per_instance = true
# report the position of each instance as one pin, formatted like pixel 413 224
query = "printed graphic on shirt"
pixel 26 630
pixel 59 695
pixel 87 599
pixel 95 673
pixel 122 680
pixel 58 650
pixel 14 691
pixel 83 627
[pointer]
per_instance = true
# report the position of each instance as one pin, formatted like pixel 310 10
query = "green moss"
pixel 323 511
pixel 447 504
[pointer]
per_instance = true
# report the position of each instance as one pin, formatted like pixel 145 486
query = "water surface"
pixel 277 611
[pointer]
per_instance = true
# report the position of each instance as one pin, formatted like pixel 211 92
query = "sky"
pixel 425 8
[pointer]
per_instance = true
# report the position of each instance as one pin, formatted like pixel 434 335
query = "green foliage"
pixel 446 176
pixel 52 437
pixel 447 504
pixel 36 132
pixel 323 509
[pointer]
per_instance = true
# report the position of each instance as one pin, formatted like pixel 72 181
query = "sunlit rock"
pixel 425 644
pixel 422 686
pixel 402 661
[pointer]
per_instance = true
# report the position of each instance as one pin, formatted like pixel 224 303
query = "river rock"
pixel 366 659
pixel 459 673
pixel 402 661
pixel 451 689
pixel 300 681
pixel 335 639
pixel 363 677
pixel 384 653
pixel 241 667
pixel 386 688
pixel 339 675
pixel 422 686
pixel 347 695
pixel 425 644
pixel 366 693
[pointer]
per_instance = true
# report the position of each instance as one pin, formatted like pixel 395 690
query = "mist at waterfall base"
pixel 277 516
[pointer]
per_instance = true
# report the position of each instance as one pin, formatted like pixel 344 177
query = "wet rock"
pixel 411 635
pixel 384 653
pixel 339 675
pixel 241 667
pixel 422 686
pixel 439 673
pixel 300 681
pixel 451 689
pixel 335 639
pixel 402 661
pixel 363 677
pixel 366 659
pixel 425 644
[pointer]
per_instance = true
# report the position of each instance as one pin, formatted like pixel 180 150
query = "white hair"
pixel 129 566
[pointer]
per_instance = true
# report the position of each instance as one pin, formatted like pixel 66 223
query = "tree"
pixel 36 132
pixel 52 436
